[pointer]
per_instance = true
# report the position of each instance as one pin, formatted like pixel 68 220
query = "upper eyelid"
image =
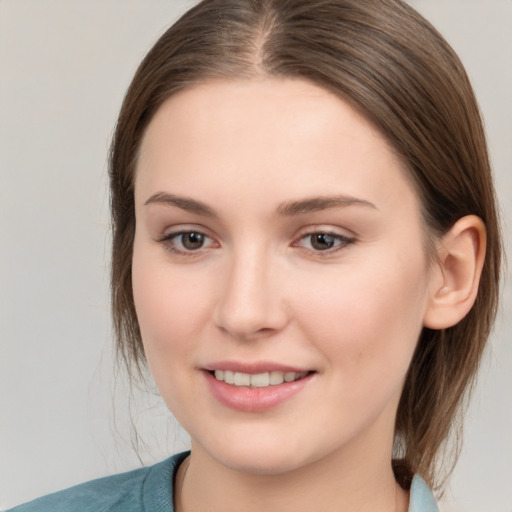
pixel 171 231
pixel 327 229
pixel 324 231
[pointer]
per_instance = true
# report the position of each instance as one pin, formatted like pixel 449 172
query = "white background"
pixel 65 413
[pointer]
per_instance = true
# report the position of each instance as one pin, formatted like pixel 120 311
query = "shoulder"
pixel 148 488
pixel 422 499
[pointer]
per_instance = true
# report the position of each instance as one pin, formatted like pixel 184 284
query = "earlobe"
pixel 455 280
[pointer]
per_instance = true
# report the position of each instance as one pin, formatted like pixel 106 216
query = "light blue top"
pixel 150 490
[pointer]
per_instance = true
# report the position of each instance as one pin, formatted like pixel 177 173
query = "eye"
pixel 323 241
pixel 184 242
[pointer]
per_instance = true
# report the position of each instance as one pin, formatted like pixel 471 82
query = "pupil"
pixel 192 240
pixel 322 241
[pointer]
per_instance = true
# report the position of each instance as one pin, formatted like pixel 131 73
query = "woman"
pixel 306 255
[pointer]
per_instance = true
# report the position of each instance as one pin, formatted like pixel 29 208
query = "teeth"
pixel 276 378
pixel 289 376
pixel 259 380
pixel 242 379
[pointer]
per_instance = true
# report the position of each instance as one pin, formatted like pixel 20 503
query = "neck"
pixel 332 484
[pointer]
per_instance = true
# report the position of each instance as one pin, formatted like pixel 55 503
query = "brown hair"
pixel 391 64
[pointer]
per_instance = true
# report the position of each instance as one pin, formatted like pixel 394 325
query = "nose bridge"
pixel 251 302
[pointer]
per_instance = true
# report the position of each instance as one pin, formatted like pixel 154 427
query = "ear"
pixel 455 279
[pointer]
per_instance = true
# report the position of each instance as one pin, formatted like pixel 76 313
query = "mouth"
pixel 256 387
pixel 257 380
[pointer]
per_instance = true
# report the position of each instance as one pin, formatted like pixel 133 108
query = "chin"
pixel 267 456
pixel 262 463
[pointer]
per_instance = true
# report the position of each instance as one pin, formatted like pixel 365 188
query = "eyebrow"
pixel 315 204
pixel 185 203
pixel 287 209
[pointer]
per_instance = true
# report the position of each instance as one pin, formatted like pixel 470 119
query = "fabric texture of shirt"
pixel 150 490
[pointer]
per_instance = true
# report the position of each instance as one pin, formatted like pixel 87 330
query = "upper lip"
pixel 253 367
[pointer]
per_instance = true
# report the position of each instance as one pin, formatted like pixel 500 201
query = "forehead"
pixel 295 109
pixel 288 136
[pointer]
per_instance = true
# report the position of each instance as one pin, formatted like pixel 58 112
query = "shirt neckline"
pixel 159 486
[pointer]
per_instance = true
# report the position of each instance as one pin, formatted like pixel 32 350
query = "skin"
pixel 258 290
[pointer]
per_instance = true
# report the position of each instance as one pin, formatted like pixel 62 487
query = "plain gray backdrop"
pixel 65 416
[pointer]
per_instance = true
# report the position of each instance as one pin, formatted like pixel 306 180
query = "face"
pixel 279 273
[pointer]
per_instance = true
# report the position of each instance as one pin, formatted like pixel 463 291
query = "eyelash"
pixel 343 241
pixel 169 242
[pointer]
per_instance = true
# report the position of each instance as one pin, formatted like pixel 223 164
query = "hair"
pixel 395 68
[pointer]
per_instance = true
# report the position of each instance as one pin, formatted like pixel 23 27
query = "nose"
pixel 252 301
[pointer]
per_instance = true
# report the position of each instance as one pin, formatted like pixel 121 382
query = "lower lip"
pixel 249 399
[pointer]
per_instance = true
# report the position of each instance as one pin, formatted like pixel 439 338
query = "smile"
pixel 259 380
pixel 255 390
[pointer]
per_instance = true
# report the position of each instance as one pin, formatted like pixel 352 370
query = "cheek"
pixel 168 306
pixel 367 318
pixel 172 311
